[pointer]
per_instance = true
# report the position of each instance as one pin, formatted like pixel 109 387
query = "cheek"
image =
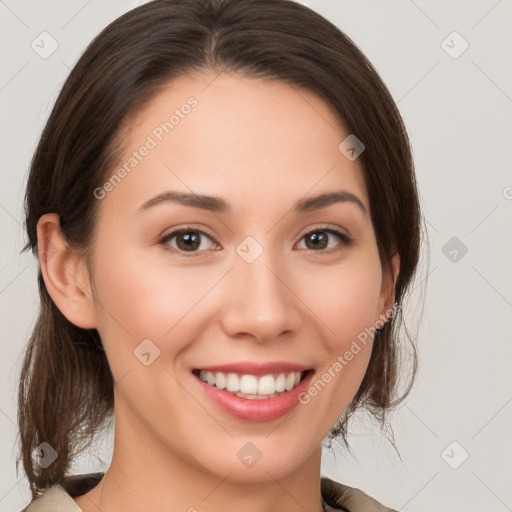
pixel 139 300
pixel 347 302
pixel 346 299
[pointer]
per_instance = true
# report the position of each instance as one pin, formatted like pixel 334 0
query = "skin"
pixel 261 146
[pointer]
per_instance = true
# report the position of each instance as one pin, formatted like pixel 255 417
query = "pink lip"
pixel 257 369
pixel 266 409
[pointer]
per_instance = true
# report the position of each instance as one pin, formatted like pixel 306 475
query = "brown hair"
pixel 66 387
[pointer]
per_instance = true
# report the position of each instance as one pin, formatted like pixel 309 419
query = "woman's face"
pixel 255 283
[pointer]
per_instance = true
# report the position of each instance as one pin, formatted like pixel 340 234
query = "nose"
pixel 259 300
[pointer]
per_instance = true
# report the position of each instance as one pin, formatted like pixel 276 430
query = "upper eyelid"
pixel 177 231
pixel 187 227
pixel 326 227
pixel 345 237
pixel 342 233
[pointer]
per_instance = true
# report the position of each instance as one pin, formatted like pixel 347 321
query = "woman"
pixel 224 209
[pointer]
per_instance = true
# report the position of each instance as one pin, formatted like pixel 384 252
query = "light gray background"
pixel 458 114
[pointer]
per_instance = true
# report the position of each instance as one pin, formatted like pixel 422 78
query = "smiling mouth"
pixel 253 387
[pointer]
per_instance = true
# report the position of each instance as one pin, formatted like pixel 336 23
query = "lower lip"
pixel 266 409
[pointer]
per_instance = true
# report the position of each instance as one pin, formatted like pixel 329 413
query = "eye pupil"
pixel 191 240
pixel 318 240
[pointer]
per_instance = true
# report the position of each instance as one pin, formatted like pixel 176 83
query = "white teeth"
pixel 280 383
pixel 220 380
pixel 250 386
pixel 266 385
pixel 290 381
pixel 232 382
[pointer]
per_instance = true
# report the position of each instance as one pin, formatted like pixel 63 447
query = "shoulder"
pixel 54 499
pixel 59 497
pixel 350 499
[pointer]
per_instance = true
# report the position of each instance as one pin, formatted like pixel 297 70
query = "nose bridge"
pixel 260 304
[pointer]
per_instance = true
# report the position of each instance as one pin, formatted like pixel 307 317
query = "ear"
pixel 65 274
pixel 387 292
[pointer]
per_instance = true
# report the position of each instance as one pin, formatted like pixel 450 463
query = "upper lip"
pixel 251 368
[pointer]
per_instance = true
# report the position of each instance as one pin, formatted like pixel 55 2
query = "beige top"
pixel 336 496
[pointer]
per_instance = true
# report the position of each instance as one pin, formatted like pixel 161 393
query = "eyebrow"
pixel 218 205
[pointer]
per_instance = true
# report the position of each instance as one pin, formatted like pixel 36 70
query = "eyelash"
pixel 346 240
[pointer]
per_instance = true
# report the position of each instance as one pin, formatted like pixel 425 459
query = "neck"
pixel 146 475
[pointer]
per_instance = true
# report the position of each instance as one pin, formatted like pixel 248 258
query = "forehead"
pixel 232 135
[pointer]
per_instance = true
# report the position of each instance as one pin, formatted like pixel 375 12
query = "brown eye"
pixel 187 240
pixel 322 239
pixel 317 240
